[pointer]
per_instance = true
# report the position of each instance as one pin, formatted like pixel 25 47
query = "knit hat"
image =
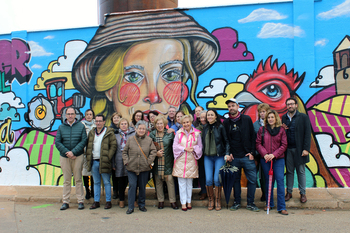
pixel 127 28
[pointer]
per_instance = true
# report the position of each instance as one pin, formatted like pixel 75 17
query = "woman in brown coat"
pixel 138 155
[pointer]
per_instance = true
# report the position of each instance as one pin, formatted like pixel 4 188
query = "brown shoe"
pixel 218 198
pixel 283 212
pixel 210 192
pixel 303 198
pixel 108 205
pixel 203 196
pixel 161 205
pixel 95 205
pixel 288 196
pixel 265 209
pixel 121 204
pixel 136 204
pixel 174 206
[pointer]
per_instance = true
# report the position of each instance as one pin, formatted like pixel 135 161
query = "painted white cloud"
pixel 325 77
pixel 242 78
pixel 72 50
pixel 215 87
pixel 321 42
pixel 330 151
pixel 11 99
pixel 275 30
pixel 14 171
pixel 342 9
pixel 262 14
pixel 36 50
pixel 48 37
pixel 36 66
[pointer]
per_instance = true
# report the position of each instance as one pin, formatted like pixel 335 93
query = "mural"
pixel 152 60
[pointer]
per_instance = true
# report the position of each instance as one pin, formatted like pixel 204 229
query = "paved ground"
pixel 40 217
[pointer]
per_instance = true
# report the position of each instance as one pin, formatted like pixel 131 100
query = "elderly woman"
pixel 187 149
pixel 151 116
pixel 163 166
pixel 202 122
pixel 138 155
pixel 271 144
pixel 215 147
pixel 124 133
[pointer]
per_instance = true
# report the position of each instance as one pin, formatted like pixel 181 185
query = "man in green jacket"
pixel 70 141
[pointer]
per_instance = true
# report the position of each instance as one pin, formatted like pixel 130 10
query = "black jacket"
pixel 221 139
pixel 247 132
pixel 302 135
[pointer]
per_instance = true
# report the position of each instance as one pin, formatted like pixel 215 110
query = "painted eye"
pixel 133 77
pixel 171 76
pixel 272 91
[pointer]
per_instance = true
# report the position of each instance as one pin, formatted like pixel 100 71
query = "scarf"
pixel 161 163
pixel 274 131
pixel 123 139
pixel 235 119
pixel 89 124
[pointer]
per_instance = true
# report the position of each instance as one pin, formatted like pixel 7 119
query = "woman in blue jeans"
pixel 215 148
pixel 271 143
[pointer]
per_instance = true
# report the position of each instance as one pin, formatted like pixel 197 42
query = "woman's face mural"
pixel 152 78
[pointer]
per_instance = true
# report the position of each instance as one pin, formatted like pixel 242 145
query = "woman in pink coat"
pixel 271 143
pixel 187 150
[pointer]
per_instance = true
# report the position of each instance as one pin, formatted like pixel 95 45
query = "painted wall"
pixel 148 61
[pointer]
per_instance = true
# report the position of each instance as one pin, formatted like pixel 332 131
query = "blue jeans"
pixel 278 175
pixel 134 180
pixel 106 177
pixel 212 164
pixel 250 172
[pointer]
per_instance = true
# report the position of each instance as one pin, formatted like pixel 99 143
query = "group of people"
pixel 177 149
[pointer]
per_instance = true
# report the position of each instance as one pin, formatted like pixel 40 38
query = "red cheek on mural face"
pixel 175 93
pixel 129 94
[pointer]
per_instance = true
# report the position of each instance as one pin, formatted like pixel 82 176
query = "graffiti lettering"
pixel 3 87
pixel 6 134
pixel 14 57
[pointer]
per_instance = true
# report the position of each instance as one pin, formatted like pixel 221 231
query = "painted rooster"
pixel 273 85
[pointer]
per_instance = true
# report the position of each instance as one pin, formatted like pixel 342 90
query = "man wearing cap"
pixel 240 131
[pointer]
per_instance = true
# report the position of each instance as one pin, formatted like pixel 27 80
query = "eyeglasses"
pixel 70 114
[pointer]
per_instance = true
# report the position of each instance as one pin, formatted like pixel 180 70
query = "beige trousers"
pixel 75 167
pixel 171 188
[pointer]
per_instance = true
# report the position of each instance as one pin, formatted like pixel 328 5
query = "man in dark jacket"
pixel 240 131
pixel 298 131
pixel 100 150
pixel 70 141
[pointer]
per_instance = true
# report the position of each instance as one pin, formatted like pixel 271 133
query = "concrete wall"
pixel 183 58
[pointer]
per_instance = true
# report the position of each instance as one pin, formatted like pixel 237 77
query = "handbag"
pixel 142 151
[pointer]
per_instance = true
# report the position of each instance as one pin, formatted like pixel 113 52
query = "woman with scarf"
pixel 187 149
pixel 163 164
pixel 124 133
pixel 89 123
pixel 271 143
pixel 215 148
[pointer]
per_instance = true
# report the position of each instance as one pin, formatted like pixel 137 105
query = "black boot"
pixel 86 185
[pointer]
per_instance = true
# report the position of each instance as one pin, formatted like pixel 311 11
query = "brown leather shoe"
pixel 121 204
pixel 203 196
pixel 210 192
pixel 174 206
pixel 283 212
pixel 108 205
pixel 303 198
pixel 265 209
pixel 161 205
pixel 288 196
pixel 136 204
pixel 95 205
